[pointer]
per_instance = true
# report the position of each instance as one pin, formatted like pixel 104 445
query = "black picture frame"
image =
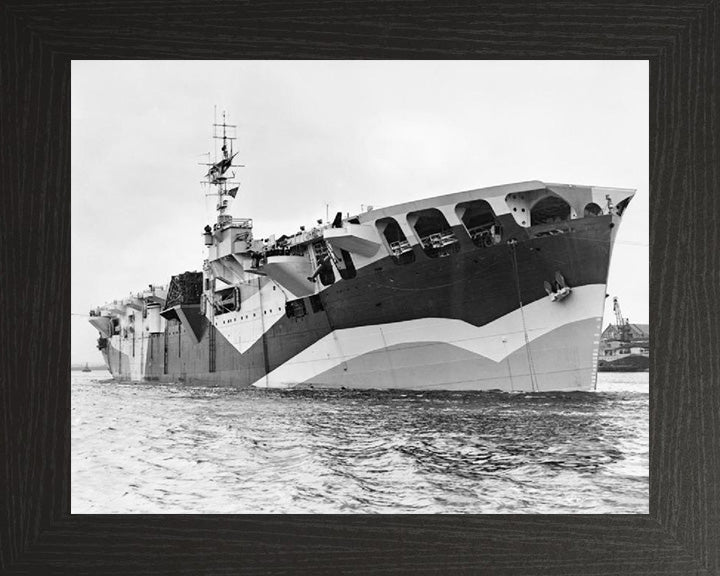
pixel 681 535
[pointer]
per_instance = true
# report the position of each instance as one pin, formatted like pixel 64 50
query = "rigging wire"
pixel 533 376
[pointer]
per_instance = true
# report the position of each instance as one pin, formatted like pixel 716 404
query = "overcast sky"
pixel 343 133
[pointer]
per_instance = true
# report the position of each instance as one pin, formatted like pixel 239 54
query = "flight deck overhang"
pixel 190 316
pixel 102 324
pixel 291 272
pixel 355 238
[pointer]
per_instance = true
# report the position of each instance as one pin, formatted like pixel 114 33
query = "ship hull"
pixel 476 319
pixel 438 354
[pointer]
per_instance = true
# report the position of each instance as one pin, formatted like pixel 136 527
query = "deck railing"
pixel 400 247
pixel 227 222
pixel 438 240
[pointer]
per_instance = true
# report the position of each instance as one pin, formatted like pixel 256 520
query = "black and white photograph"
pixel 393 287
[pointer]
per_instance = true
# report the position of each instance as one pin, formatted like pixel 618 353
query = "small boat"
pixel 87 368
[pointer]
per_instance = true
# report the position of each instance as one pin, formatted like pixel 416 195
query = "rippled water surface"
pixel 149 448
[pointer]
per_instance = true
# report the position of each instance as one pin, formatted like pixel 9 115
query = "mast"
pixel 217 175
pixel 229 236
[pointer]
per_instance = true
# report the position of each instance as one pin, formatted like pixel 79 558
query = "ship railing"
pixel 242 222
pixel 438 240
pixel 320 249
pixel 485 234
pixel 305 236
pixel 480 230
pixel 229 222
pixel 400 247
pixel 276 252
pixel 311 234
pixel 550 232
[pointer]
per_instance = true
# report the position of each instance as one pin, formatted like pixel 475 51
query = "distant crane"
pixel 623 326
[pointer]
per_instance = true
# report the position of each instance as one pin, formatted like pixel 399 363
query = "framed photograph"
pixel 489 431
pixel 406 317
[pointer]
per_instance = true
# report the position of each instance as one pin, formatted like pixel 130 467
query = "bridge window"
pixel 396 241
pixel 548 210
pixel 434 232
pixel 479 221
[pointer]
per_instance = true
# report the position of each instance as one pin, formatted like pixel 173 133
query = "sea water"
pixel 171 448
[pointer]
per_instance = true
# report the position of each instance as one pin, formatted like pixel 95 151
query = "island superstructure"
pixel 492 288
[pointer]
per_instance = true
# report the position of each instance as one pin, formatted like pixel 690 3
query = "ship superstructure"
pixel 493 288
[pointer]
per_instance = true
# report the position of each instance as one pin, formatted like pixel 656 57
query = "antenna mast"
pixel 217 173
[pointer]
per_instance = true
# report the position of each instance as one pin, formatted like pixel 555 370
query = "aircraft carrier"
pixel 493 288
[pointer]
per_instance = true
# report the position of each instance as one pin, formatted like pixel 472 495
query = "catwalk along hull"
pixel 472 313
